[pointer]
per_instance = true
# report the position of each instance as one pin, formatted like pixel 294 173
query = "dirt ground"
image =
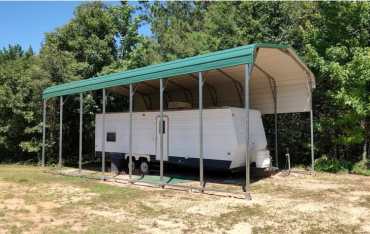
pixel 32 200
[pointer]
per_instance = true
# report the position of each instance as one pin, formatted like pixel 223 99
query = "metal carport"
pixel 267 77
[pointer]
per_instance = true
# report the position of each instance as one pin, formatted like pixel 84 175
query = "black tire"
pixel 144 167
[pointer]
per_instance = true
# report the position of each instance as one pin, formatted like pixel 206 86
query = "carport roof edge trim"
pixel 219 59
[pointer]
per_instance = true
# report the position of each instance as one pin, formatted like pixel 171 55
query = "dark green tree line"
pixel 332 38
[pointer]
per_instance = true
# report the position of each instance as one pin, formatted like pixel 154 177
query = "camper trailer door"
pixel 165 130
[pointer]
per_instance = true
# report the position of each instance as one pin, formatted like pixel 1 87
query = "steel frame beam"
pixel 80 135
pixel 131 94
pixel 237 84
pixel 212 90
pixel 104 135
pixel 309 89
pixel 144 96
pixel 60 163
pixel 187 92
pixel 167 95
pixel 161 90
pixel 149 85
pixel 312 136
pixel 200 101
pixel 273 87
pixel 150 103
pixel 247 76
pixel 276 126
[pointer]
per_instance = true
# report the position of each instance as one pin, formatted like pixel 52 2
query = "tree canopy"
pixel 332 38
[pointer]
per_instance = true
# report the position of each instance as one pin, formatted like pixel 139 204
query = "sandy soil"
pixel 32 201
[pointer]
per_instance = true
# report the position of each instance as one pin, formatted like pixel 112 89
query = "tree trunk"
pixel 364 150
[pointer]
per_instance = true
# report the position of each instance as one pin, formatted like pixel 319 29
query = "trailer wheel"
pixel 144 167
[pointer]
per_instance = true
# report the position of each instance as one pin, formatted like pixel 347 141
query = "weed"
pixel 362 168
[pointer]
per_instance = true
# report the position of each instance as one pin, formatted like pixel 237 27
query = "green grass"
pixel 360 168
pixel 240 214
pixel 37 187
pixel 333 165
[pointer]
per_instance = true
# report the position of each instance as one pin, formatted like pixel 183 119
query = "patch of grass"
pixel 114 193
pixel 264 229
pixel 103 225
pixel 365 201
pixel 22 180
pixel 112 196
pixel 316 229
pixel 14 229
pixel 30 175
pixel 360 168
pixel 339 228
pixel 148 210
pixel 23 210
pixel 21 227
pixel 332 165
pixel 62 229
pixel 270 188
pixel 281 190
pixel 8 196
pixel 240 214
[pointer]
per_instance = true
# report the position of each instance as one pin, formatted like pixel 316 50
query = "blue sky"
pixel 25 23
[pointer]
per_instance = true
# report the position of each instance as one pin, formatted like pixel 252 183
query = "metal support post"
pixel 246 107
pixel 80 136
pixel 312 146
pixel 43 132
pixel 200 86
pixel 103 137
pixel 161 90
pixel 130 131
pixel 60 131
pixel 276 126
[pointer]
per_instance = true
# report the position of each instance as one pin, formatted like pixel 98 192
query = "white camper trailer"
pixel 224 138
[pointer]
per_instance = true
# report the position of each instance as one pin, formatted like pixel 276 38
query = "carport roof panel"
pixel 219 59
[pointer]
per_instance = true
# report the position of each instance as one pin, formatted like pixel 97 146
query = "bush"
pixel 332 165
pixel 361 168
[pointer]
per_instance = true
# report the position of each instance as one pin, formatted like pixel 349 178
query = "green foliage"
pixel 21 80
pixel 362 168
pixel 332 38
pixel 97 37
pixel 332 165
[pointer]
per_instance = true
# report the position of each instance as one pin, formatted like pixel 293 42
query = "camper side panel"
pixel 219 137
pixel 143 127
pixel 257 137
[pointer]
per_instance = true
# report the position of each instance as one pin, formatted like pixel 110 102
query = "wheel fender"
pixel 137 157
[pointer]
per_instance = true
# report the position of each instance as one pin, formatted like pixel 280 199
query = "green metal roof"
pixel 220 59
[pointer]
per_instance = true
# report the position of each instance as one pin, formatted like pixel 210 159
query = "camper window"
pixel 111 136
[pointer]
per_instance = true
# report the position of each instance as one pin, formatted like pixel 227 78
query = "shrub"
pixel 332 165
pixel 361 168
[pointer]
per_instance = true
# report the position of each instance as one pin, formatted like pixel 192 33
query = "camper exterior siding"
pixel 224 132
